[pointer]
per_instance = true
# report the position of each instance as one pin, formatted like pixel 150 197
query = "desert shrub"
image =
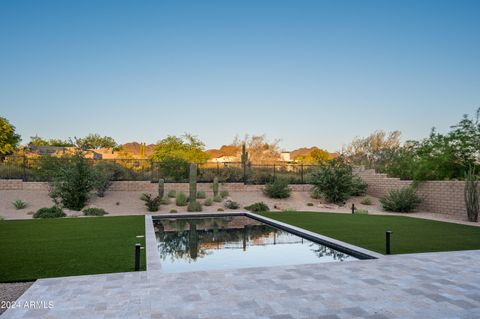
pixel 201 195
pixel 208 202
pixel 277 189
pixel 73 182
pixel 366 201
pixel 174 169
pixel 165 201
pixel 194 207
pixel 116 171
pixel 309 204
pixel 224 194
pixel 181 199
pixel 361 211
pixel 173 211
pixel 335 181
pixel 220 209
pixel 230 204
pixel 51 212
pixel 402 200
pixel 258 207
pixel 93 211
pixel 217 199
pixel 289 210
pixel 19 204
pixel 152 203
pixel 359 187
pixel 102 180
pixel 315 194
pixel 172 193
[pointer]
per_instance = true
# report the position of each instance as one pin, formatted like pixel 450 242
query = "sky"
pixel 306 72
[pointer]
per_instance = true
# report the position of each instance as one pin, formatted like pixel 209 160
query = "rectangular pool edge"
pixel 352 250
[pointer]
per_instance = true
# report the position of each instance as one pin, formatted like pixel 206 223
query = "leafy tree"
pixel 188 148
pixel 440 156
pixel 316 156
pixel 374 151
pixel 336 182
pixel 38 141
pixel 260 149
pixel 8 138
pixel 94 141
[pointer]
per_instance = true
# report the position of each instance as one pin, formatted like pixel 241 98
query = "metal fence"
pixel 43 169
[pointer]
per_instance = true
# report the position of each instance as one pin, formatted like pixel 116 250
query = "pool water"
pixel 207 243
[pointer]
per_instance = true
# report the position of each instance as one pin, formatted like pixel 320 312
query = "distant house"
pixel 226 153
pixel 286 157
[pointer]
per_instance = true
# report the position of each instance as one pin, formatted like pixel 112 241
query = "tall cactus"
pixel 193 183
pixel 244 162
pixel 244 157
pixel 161 188
pixel 471 195
pixel 215 186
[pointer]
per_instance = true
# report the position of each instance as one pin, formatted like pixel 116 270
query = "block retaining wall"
pixel 441 197
pixel 145 186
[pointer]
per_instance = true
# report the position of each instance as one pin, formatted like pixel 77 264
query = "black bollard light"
pixel 137 256
pixel 353 208
pixel 387 241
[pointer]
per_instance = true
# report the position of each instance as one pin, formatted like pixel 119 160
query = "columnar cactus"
pixel 193 183
pixel 161 188
pixel 215 186
pixel 472 195
pixel 244 154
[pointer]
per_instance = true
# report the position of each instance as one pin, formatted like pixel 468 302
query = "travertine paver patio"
pixel 432 285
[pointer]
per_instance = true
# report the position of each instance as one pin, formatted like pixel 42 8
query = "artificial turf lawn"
pixel 410 235
pixel 32 249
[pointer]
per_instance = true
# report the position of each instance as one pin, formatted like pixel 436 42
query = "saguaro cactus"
pixel 471 195
pixel 244 159
pixel 161 188
pixel 215 186
pixel 193 183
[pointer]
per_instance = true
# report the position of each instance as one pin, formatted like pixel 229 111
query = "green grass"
pixel 32 249
pixel 410 235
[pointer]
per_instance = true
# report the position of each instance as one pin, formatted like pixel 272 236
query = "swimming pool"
pixel 226 242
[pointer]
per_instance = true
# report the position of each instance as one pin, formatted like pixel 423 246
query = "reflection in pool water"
pixel 193 244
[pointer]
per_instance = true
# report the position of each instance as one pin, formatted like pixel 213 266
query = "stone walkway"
pixel 432 285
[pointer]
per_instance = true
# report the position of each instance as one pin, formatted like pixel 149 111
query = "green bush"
pixel 366 201
pixel 152 203
pixel 361 211
pixel 116 171
pixel 402 200
pixel 194 207
pixel 258 207
pixel 19 204
pixel 224 194
pixel 172 193
pixel 309 204
pixel 208 202
pixel 93 211
pixel 217 199
pixel 277 189
pixel 181 199
pixel 315 194
pixel 165 201
pixel 73 182
pixel 220 209
pixel 173 211
pixel 335 181
pixel 174 169
pixel 52 212
pixel 101 181
pixel 201 195
pixel 359 187
pixel 230 204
